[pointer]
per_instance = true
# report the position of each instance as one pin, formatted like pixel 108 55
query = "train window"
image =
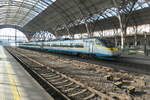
pixel 108 43
pixel 77 45
pixel 105 43
pixel 72 45
pixel 99 43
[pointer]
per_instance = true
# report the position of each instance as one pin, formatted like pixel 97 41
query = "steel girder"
pixel 65 14
pixel 60 15
pixel 20 12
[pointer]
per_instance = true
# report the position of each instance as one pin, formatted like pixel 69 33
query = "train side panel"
pixel 84 46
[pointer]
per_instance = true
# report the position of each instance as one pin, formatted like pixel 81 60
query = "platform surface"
pixel 16 83
pixel 136 58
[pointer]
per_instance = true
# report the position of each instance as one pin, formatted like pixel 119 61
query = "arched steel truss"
pixel 64 14
pixel 68 14
pixel 42 36
pixel 20 12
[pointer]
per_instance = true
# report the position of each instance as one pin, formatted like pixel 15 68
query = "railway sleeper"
pixel 39 68
pixel 117 79
pixel 111 78
pixel 67 85
pixel 118 84
pixel 129 89
pixel 53 77
pixel 49 78
pixel 48 74
pixel 41 71
pixel 59 79
pixel 61 82
pixel 89 97
pixel 77 93
pixel 71 89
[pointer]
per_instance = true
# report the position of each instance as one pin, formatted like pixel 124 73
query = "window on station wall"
pixel 11 37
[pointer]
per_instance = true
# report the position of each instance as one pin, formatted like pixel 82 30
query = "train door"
pixel 90 46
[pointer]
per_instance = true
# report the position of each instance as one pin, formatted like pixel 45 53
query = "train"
pixel 91 46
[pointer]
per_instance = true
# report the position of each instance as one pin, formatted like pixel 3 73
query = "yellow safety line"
pixel 15 93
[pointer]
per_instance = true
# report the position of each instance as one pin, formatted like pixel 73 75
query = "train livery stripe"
pixel 112 49
pixel 65 47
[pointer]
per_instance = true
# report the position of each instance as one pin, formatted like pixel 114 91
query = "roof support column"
pixel 55 33
pixel 135 28
pixel 68 31
pixel 124 12
pixel 145 44
pixel 123 32
pixel 87 29
pixel 15 37
pixel 115 36
pixel 135 36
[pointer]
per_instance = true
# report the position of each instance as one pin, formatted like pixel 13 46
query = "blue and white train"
pixel 91 46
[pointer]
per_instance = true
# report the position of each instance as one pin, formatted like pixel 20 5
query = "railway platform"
pixel 136 58
pixel 16 83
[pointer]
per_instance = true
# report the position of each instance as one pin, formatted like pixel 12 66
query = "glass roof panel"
pixel 20 12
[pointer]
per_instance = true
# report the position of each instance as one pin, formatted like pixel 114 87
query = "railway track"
pixel 124 80
pixel 69 88
pixel 92 61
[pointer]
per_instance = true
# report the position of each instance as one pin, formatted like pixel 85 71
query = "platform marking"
pixel 15 92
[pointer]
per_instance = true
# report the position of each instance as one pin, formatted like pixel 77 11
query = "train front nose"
pixel 115 52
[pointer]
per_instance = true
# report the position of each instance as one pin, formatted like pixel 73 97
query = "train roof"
pixel 67 39
pixel 99 38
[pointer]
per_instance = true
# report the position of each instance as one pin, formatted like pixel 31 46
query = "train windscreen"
pixel 107 43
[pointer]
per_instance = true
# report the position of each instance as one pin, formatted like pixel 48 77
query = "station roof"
pixel 37 15
pixel 64 12
pixel 20 12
